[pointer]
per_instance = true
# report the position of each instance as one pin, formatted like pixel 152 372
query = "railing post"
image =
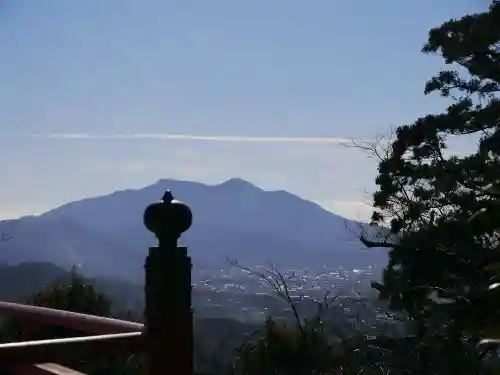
pixel 168 313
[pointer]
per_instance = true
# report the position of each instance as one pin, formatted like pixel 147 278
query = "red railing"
pixel 68 319
pixel 108 336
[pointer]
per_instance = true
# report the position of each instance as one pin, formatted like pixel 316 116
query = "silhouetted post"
pixel 168 314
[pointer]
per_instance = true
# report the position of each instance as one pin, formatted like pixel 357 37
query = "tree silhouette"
pixel 443 206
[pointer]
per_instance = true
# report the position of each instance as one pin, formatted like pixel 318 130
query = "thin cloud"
pixel 189 137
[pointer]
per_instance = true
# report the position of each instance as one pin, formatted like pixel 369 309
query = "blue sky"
pixel 252 71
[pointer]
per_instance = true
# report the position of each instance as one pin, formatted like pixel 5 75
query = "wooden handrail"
pixel 82 322
pixel 43 351
pixel 44 369
pixel 113 336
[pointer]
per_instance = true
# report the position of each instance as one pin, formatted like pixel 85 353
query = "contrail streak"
pixel 188 137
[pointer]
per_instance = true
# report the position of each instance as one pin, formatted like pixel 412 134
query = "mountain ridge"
pixel 233 219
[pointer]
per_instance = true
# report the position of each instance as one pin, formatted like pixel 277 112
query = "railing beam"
pixel 44 369
pixel 81 322
pixel 54 350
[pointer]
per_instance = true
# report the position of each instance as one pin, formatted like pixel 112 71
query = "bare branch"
pixel 372 244
pixel 377 148
pixel 279 284
pixel 384 238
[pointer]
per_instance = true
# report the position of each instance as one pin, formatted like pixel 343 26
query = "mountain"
pixel 235 219
pixel 20 282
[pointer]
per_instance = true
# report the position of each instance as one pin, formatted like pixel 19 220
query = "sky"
pixel 98 96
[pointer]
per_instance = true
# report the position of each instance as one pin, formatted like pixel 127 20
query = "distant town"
pixel 240 294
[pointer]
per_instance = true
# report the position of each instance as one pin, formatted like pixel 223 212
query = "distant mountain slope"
pixel 19 282
pixel 65 242
pixel 235 219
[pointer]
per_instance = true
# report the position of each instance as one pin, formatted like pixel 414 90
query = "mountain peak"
pixel 237 183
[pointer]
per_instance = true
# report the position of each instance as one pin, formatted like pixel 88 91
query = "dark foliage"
pixel 443 207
